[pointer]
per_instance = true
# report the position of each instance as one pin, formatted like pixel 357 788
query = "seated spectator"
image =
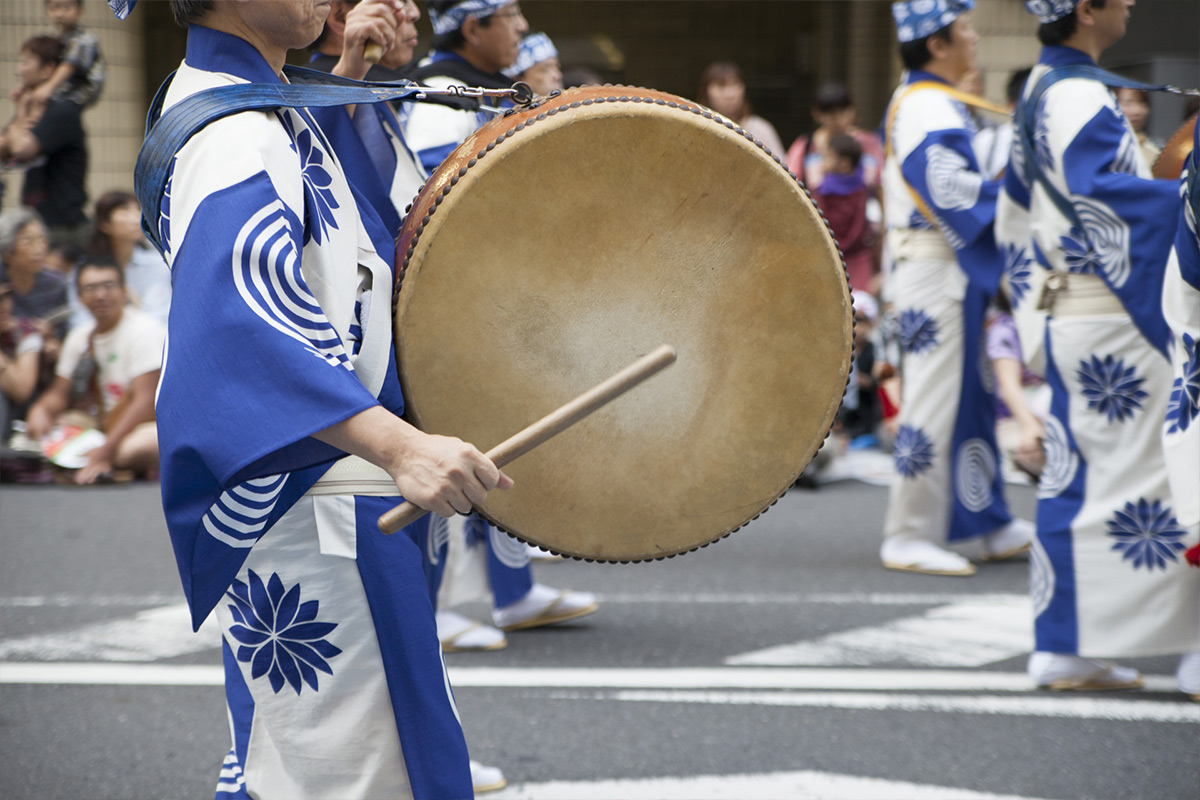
pixel 861 411
pixel 723 89
pixel 115 361
pixel 48 141
pixel 39 295
pixel 843 197
pixel 119 236
pixel 64 258
pixel 20 352
pixel 537 64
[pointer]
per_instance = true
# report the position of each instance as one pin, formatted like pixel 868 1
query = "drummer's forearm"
pixel 376 434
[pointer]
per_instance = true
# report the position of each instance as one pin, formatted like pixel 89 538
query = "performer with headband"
pixel 537 64
pixel 1181 434
pixel 1086 233
pixel 474 40
pixel 940 212
pixel 279 363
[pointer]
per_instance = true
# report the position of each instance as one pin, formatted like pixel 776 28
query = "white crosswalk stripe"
pixel 800 785
pixel 963 634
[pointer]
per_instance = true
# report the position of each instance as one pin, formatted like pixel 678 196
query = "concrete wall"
pixel 114 125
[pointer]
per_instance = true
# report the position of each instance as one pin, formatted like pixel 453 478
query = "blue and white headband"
pixel 535 48
pixel 453 18
pixel 916 19
pixel 1050 10
pixel 122 7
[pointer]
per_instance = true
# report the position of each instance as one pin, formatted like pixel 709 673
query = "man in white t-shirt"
pixel 125 346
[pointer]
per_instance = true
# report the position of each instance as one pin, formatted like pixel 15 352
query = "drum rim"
pixel 427 205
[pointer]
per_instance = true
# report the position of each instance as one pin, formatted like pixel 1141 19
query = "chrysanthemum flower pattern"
pixel 318 183
pixel 1017 268
pixel 1078 253
pixel 279 635
pixel 1147 534
pixel 916 330
pixel 1184 405
pixel 913 451
pixel 1111 388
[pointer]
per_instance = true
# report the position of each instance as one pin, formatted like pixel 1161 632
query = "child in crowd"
pixel 861 411
pixel 843 195
pixel 64 257
pixel 80 76
pixel 1022 399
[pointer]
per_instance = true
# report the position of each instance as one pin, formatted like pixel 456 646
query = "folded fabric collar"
pixel 215 51
pixel 453 18
pixel 1050 10
pixel 916 19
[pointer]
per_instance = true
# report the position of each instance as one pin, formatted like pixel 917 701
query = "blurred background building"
pixel 786 49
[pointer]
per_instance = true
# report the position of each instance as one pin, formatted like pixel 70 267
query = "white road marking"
pixel 1060 707
pixel 631 598
pixel 963 634
pixel 801 785
pixel 149 635
pixel 683 678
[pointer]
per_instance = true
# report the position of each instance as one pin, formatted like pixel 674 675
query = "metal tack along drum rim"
pixel 562 241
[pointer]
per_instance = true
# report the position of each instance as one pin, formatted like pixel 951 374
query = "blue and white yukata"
pixel 1181 307
pixel 1107 577
pixel 948 485
pixel 282 327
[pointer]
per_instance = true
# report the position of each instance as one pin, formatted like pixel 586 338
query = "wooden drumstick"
pixel 552 424
pixel 373 52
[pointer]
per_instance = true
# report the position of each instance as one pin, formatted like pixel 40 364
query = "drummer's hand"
pixel 372 21
pixel 445 475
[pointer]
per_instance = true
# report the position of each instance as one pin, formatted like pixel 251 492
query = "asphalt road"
pixel 782 662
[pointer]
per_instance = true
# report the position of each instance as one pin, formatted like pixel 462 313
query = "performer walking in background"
pixel 474 41
pixel 940 214
pixel 1181 434
pixel 1086 234
pixel 334 677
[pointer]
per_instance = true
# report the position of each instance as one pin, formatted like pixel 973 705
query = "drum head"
pixel 556 246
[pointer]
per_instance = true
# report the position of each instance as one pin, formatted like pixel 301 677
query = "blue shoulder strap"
pixel 1027 112
pixel 1192 166
pixel 167 133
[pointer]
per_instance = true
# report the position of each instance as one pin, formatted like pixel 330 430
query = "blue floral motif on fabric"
pixel 164 213
pixel 1081 258
pixel 1147 534
pixel 279 635
pixel 1111 388
pixel 1041 140
pixel 916 330
pixel 1017 265
pixel 913 451
pixel 1184 405
pixel 1126 160
pixel 318 183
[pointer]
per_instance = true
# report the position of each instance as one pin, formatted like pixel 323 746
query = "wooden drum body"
pixel 561 242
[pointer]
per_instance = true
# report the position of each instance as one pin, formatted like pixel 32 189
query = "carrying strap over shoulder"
pixel 167 133
pixel 966 98
pixel 1027 113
